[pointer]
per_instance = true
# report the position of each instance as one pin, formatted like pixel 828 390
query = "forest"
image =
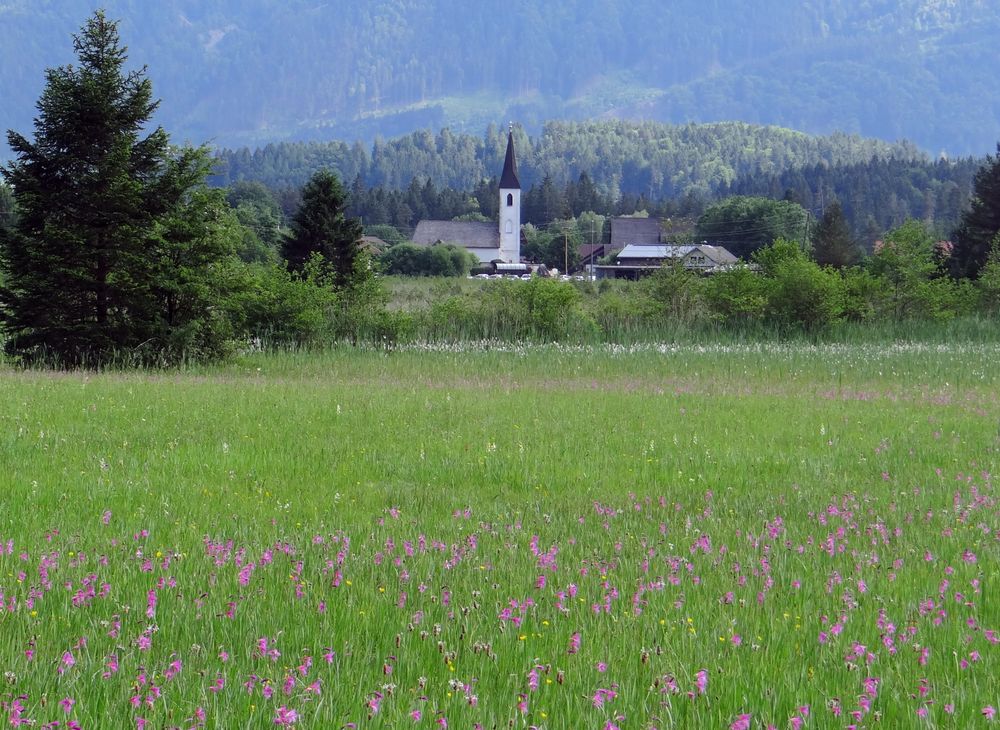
pixel 618 168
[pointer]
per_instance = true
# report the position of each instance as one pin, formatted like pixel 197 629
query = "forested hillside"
pixel 252 72
pixel 663 169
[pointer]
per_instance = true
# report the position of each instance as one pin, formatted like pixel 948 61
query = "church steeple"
pixel 510 206
pixel 508 180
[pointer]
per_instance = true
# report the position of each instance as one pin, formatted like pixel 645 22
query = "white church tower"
pixel 510 207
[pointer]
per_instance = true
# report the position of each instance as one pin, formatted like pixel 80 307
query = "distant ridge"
pixel 233 73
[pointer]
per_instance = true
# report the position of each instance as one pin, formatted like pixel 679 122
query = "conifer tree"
pixel 980 223
pixel 321 226
pixel 833 243
pixel 100 206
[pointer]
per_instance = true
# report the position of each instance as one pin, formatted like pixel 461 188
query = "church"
pixel 490 242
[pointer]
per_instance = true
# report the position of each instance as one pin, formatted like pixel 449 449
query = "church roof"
pixel 470 234
pixel 508 180
pixel 642 231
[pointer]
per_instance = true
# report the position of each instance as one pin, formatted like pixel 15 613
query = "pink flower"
pixel 574 643
pixel 66 703
pixel 701 681
pixel 285 716
pixel 989 712
pixel 742 722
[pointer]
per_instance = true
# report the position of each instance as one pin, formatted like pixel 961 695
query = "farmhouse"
pixel 624 231
pixel 637 260
pixel 490 242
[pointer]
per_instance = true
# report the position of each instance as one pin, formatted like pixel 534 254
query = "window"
pixel 508 227
pixel 510 201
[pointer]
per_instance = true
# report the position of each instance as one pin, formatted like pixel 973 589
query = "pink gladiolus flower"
pixel 285 716
pixel 742 722
pixel 701 681
pixel 66 704
pixel 989 712
pixel 574 644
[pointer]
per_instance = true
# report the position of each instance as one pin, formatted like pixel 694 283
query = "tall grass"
pixel 431 529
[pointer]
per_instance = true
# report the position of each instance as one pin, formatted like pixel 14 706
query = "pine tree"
pixel 321 226
pixel 980 223
pixel 94 196
pixel 833 243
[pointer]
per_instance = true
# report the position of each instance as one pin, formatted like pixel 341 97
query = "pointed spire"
pixel 508 180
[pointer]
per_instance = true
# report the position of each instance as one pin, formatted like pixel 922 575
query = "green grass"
pixel 662 479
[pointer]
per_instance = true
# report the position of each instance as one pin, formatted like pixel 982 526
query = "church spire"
pixel 508 180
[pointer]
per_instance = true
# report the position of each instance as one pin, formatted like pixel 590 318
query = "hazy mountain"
pixel 259 70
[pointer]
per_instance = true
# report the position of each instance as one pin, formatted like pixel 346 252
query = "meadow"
pixel 501 536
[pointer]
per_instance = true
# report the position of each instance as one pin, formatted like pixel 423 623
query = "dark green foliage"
pixel 980 223
pixel 743 225
pixel 833 243
pixel 111 254
pixel 875 194
pixel 6 207
pixel 557 245
pixel 989 280
pixel 405 259
pixel 321 226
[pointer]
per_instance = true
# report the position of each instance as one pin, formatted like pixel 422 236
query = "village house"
pixel 637 260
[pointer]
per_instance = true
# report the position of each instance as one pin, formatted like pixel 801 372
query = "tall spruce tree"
pixel 833 242
pixel 321 226
pixel 980 223
pixel 101 209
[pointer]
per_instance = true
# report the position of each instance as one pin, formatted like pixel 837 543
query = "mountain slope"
pixel 258 70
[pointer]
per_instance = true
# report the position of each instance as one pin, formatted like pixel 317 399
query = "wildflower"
pixel 66 703
pixel 574 643
pixel 989 712
pixel 701 681
pixel 285 716
pixel 742 722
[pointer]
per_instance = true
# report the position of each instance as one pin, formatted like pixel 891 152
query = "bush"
pixel 736 296
pixel 267 304
pixel 799 291
pixel 406 259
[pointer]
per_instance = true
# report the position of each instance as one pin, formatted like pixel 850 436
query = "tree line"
pixel 617 168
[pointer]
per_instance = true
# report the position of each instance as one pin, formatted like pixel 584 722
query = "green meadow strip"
pixel 497 535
